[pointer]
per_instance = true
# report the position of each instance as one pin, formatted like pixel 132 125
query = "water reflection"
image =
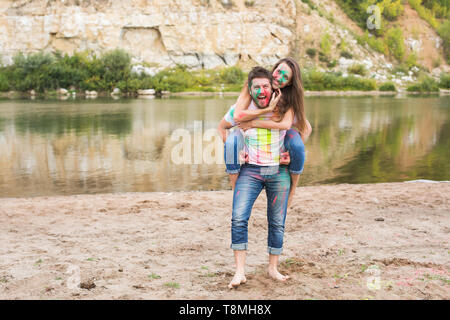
pixel 108 145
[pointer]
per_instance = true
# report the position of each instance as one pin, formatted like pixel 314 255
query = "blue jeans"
pixel 252 179
pixel 292 143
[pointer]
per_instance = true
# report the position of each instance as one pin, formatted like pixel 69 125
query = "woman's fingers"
pixel 279 95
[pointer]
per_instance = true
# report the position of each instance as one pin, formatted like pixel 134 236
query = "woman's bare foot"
pixel 273 273
pixel 238 279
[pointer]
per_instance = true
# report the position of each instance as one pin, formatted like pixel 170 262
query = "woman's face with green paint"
pixel 261 91
pixel 282 76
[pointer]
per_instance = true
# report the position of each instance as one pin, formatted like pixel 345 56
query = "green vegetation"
pixel 387 86
pixel 444 81
pixel 325 44
pixel 319 81
pixel 389 40
pixel 154 276
pixel 357 69
pixel 432 11
pixel 395 43
pixel 311 52
pixel 444 33
pixel 375 43
pixel 426 84
pixel 310 4
pixel 46 72
pixel 357 10
pixel 346 54
pixel 424 12
pixel 174 285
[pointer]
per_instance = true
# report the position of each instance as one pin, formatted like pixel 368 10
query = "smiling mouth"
pixel 262 97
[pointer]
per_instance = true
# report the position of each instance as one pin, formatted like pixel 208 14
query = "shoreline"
pixel 159 245
pixel 22 95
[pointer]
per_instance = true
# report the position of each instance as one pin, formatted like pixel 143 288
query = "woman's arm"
pixel 242 113
pixel 284 124
pixel 222 128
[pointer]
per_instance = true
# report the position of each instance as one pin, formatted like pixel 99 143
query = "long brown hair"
pixel 293 94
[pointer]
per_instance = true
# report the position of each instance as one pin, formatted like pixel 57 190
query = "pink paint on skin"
pixel 261 86
pixel 266 102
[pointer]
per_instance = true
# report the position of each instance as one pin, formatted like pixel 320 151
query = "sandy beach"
pixel 371 241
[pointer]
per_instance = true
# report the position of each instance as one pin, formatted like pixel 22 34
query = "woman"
pixel 287 78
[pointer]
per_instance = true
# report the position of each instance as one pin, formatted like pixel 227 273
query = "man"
pixel 262 170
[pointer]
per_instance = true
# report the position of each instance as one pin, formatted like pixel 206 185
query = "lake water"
pixel 50 147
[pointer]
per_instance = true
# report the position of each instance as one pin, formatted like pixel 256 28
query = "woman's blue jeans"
pixel 292 143
pixel 252 179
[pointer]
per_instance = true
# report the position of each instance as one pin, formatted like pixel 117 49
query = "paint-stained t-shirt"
pixel 262 145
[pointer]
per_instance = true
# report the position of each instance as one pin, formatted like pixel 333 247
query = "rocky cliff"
pixel 197 33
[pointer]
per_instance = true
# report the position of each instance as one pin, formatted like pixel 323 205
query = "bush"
pixel 323 57
pixel 424 13
pixel 232 75
pixel 375 43
pixel 427 84
pixel 357 69
pixel 319 81
pixel 346 55
pixel 357 10
pixel 411 61
pixel 439 7
pixel 444 81
pixel 392 9
pixel 387 86
pixel 444 33
pixel 116 66
pixel 332 64
pixel 395 43
pixel 32 72
pixel 325 44
pixel 311 52
pixel 4 83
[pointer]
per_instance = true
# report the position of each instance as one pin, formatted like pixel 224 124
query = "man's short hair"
pixel 259 72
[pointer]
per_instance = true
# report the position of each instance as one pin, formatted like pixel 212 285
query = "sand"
pixel 372 241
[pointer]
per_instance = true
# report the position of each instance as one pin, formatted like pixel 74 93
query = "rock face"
pixel 197 33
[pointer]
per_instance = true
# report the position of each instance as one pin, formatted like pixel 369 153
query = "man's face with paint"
pixel 261 91
pixel 282 76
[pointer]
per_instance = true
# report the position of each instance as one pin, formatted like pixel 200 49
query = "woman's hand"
pixel 245 125
pixel 285 158
pixel 276 96
pixel 243 157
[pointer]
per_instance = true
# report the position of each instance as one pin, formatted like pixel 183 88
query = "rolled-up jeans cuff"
pixel 295 172
pixel 239 246
pixel 233 171
pixel 274 251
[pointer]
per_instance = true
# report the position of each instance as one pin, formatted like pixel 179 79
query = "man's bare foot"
pixel 238 279
pixel 273 273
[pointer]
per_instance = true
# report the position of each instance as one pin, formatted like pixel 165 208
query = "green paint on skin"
pixel 255 96
pixel 283 78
